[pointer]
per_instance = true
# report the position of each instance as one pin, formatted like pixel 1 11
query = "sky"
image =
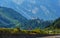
pixel 32 9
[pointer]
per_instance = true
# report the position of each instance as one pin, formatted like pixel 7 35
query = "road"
pixel 27 36
pixel 56 36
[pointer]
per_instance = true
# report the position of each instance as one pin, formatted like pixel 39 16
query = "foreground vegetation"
pixel 18 31
pixel 37 31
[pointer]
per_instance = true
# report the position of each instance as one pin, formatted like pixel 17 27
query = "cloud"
pixel 59 2
pixel 50 13
pixel 32 1
pixel 18 1
pixel 34 18
pixel 23 12
pixel 46 11
pixel 4 3
pixel 35 10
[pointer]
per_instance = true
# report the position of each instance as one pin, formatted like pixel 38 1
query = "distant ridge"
pixel 11 17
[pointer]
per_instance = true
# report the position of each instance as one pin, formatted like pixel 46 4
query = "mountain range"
pixel 10 18
pixel 42 9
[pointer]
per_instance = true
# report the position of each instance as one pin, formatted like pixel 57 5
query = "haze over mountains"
pixel 12 19
pixel 28 14
pixel 42 9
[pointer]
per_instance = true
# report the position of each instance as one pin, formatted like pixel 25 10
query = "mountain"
pixel 37 23
pixel 10 18
pixel 43 9
pixel 55 24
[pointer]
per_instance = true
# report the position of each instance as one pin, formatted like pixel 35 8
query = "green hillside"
pixel 10 18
